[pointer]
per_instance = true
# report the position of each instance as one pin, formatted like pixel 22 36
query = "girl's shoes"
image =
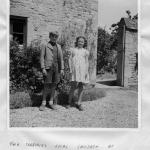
pixel 52 106
pixel 79 106
pixel 68 106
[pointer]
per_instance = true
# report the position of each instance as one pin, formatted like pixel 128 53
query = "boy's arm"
pixel 70 60
pixel 42 55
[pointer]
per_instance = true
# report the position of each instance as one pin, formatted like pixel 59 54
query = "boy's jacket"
pixel 46 57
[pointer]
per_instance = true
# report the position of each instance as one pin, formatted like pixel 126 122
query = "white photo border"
pixel 76 128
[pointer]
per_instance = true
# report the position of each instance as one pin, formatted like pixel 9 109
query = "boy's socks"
pixel 44 102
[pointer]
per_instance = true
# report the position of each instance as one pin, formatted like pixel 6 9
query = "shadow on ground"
pixel 62 98
pixel 36 98
pixel 108 82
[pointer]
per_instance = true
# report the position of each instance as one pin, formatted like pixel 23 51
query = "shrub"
pixel 106 53
pixel 64 86
pixel 17 67
pixel 34 74
pixel 25 73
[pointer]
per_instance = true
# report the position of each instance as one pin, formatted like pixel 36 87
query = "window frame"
pixel 21 20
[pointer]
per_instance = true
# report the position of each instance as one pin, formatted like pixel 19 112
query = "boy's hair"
pixel 52 33
pixel 85 41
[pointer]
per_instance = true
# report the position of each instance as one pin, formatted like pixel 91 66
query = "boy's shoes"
pixel 79 106
pixel 42 107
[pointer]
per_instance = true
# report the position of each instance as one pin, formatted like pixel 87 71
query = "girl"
pixel 78 64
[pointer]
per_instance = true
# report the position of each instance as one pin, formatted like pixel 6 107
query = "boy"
pixel 52 66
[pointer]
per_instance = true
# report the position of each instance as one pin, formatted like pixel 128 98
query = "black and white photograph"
pixel 73 64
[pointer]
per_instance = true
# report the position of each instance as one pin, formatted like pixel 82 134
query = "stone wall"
pixel 127 57
pixel 81 19
pixel 120 57
pixel 131 49
pixel 42 16
pixel 70 18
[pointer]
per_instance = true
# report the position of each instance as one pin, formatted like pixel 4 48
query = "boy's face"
pixel 53 38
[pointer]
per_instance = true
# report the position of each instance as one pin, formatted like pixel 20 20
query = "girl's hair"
pixel 85 41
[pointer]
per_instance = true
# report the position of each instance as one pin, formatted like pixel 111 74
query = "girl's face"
pixel 80 43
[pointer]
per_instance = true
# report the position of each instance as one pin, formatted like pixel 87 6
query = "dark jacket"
pixel 46 57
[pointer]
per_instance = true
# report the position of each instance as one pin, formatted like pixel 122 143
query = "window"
pixel 18 29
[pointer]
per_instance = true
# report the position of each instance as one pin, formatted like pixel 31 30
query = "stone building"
pixel 127 57
pixel 31 20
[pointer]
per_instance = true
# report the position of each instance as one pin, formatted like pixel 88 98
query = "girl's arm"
pixel 87 53
pixel 87 64
pixel 70 59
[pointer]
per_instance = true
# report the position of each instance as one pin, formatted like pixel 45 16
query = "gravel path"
pixel 119 109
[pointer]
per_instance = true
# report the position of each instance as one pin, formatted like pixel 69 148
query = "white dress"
pixel 79 65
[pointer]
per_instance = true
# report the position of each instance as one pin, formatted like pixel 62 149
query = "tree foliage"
pixel 114 27
pixel 105 51
pixel 107 46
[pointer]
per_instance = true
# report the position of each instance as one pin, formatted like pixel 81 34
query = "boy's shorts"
pixel 52 76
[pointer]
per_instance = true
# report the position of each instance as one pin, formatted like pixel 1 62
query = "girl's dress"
pixel 79 65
